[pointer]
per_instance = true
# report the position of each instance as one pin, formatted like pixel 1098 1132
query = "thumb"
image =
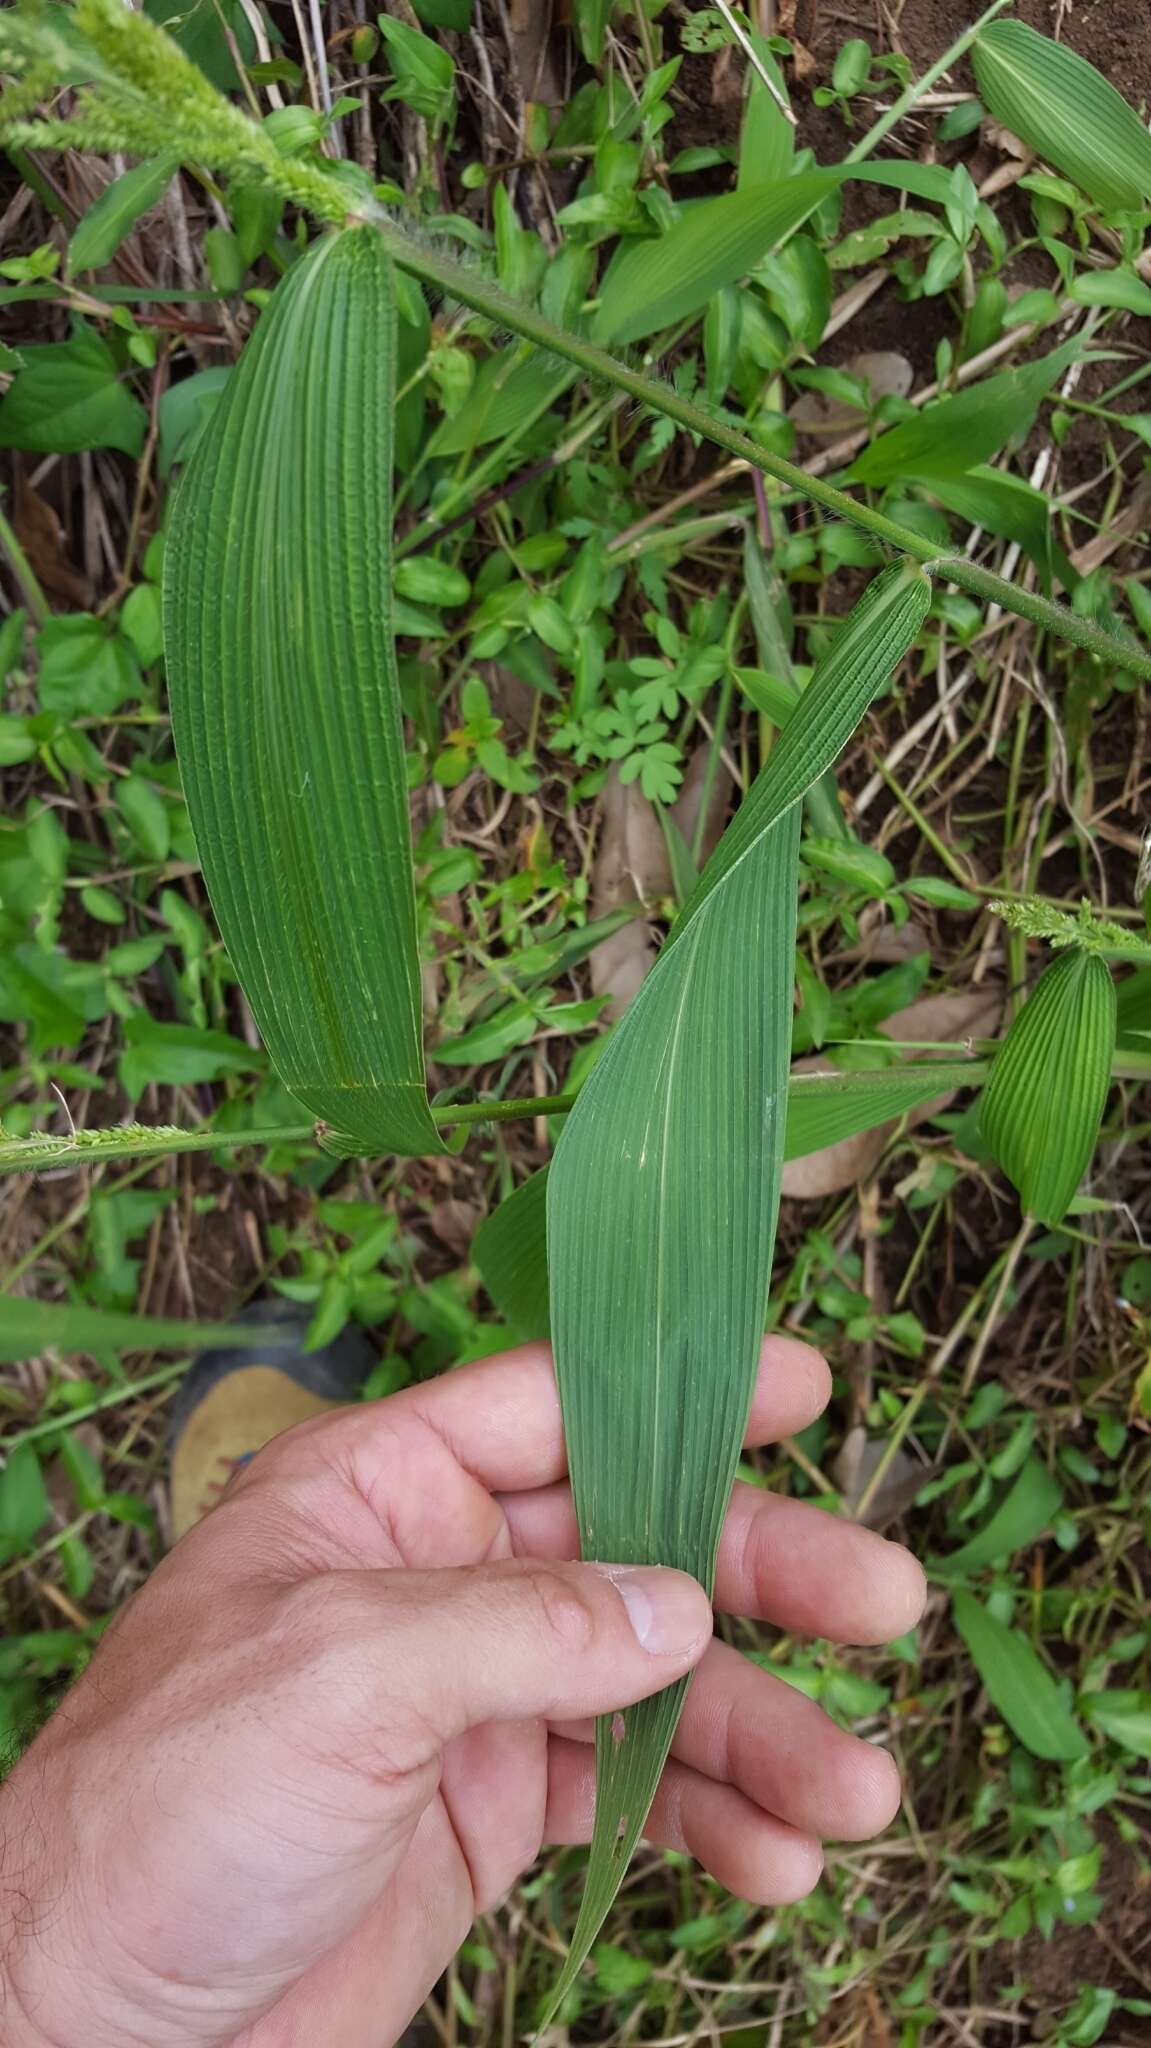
pixel 515 1640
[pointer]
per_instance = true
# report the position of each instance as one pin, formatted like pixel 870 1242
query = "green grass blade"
pixel 1057 1052
pixel 28 1327
pixel 285 702
pixel 510 1249
pixel 654 284
pixel 823 1109
pixel 1066 110
pixel 662 1204
pixel 510 1246
pixel 949 438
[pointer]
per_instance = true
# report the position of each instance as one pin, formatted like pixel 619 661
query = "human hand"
pixel 345 1712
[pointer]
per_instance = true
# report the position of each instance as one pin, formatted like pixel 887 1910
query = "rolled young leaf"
pixel 1065 109
pixel 662 1204
pixel 1043 1102
pixel 285 700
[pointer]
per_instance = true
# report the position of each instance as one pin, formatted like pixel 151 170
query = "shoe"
pixel 231 1403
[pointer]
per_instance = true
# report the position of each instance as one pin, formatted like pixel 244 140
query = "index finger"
pixel 500 1418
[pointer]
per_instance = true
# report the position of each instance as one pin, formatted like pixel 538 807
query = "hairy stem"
pixel 488 299
pixel 140 1141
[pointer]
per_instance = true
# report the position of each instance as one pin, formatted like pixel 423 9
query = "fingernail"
pixel 665 1608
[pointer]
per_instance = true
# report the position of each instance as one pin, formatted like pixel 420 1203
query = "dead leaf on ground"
pixel 854 1467
pixel 948 1019
pixel 945 1018
pixel 631 866
pixel 512 700
pixel 887 944
pixel 454 1223
pixel 1006 142
pixel 41 535
pixel 533 52
pixel 1124 527
pixel 685 810
pixel 887 374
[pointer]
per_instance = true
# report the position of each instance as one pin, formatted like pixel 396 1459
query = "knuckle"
pixel 322 1613
pixel 566 1616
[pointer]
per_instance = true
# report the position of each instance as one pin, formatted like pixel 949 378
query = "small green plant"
pixel 649 1251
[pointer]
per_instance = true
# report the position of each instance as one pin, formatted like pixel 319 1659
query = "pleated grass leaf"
pixel 1044 1100
pixel 285 700
pixel 662 1204
pixel 1066 110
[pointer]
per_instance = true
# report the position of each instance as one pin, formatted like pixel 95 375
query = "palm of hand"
pixel 301 1806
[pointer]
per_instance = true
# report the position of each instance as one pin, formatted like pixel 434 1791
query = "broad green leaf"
pixel 652 284
pixel 85 666
pixel 421 67
pixel 951 437
pixel 68 397
pixel 509 394
pixel 942 894
pixel 823 1109
pixel 589 18
pixel 851 862
pixel 1122 1714
pixel 1133 1011
pixel 114 214
pixel 426 580
pixel 285 702
pixel 510 1246
pixel 1031 1505
pixel 28 1327
pixel 513 1025
pixel 178 1055
pixel 716 242
pixel 662 1203
pixel 1004 504
pixel 52 997
pixel 1065 109
pixel 510 1249
pixel 1120 288
pixel 771 695
pixel 185 410
pixel 1019 1686
pixel 1057 1054
pixel 208 31
pixel 147 816
pixel 767 138
pixel 454 14
pixel 24 1502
